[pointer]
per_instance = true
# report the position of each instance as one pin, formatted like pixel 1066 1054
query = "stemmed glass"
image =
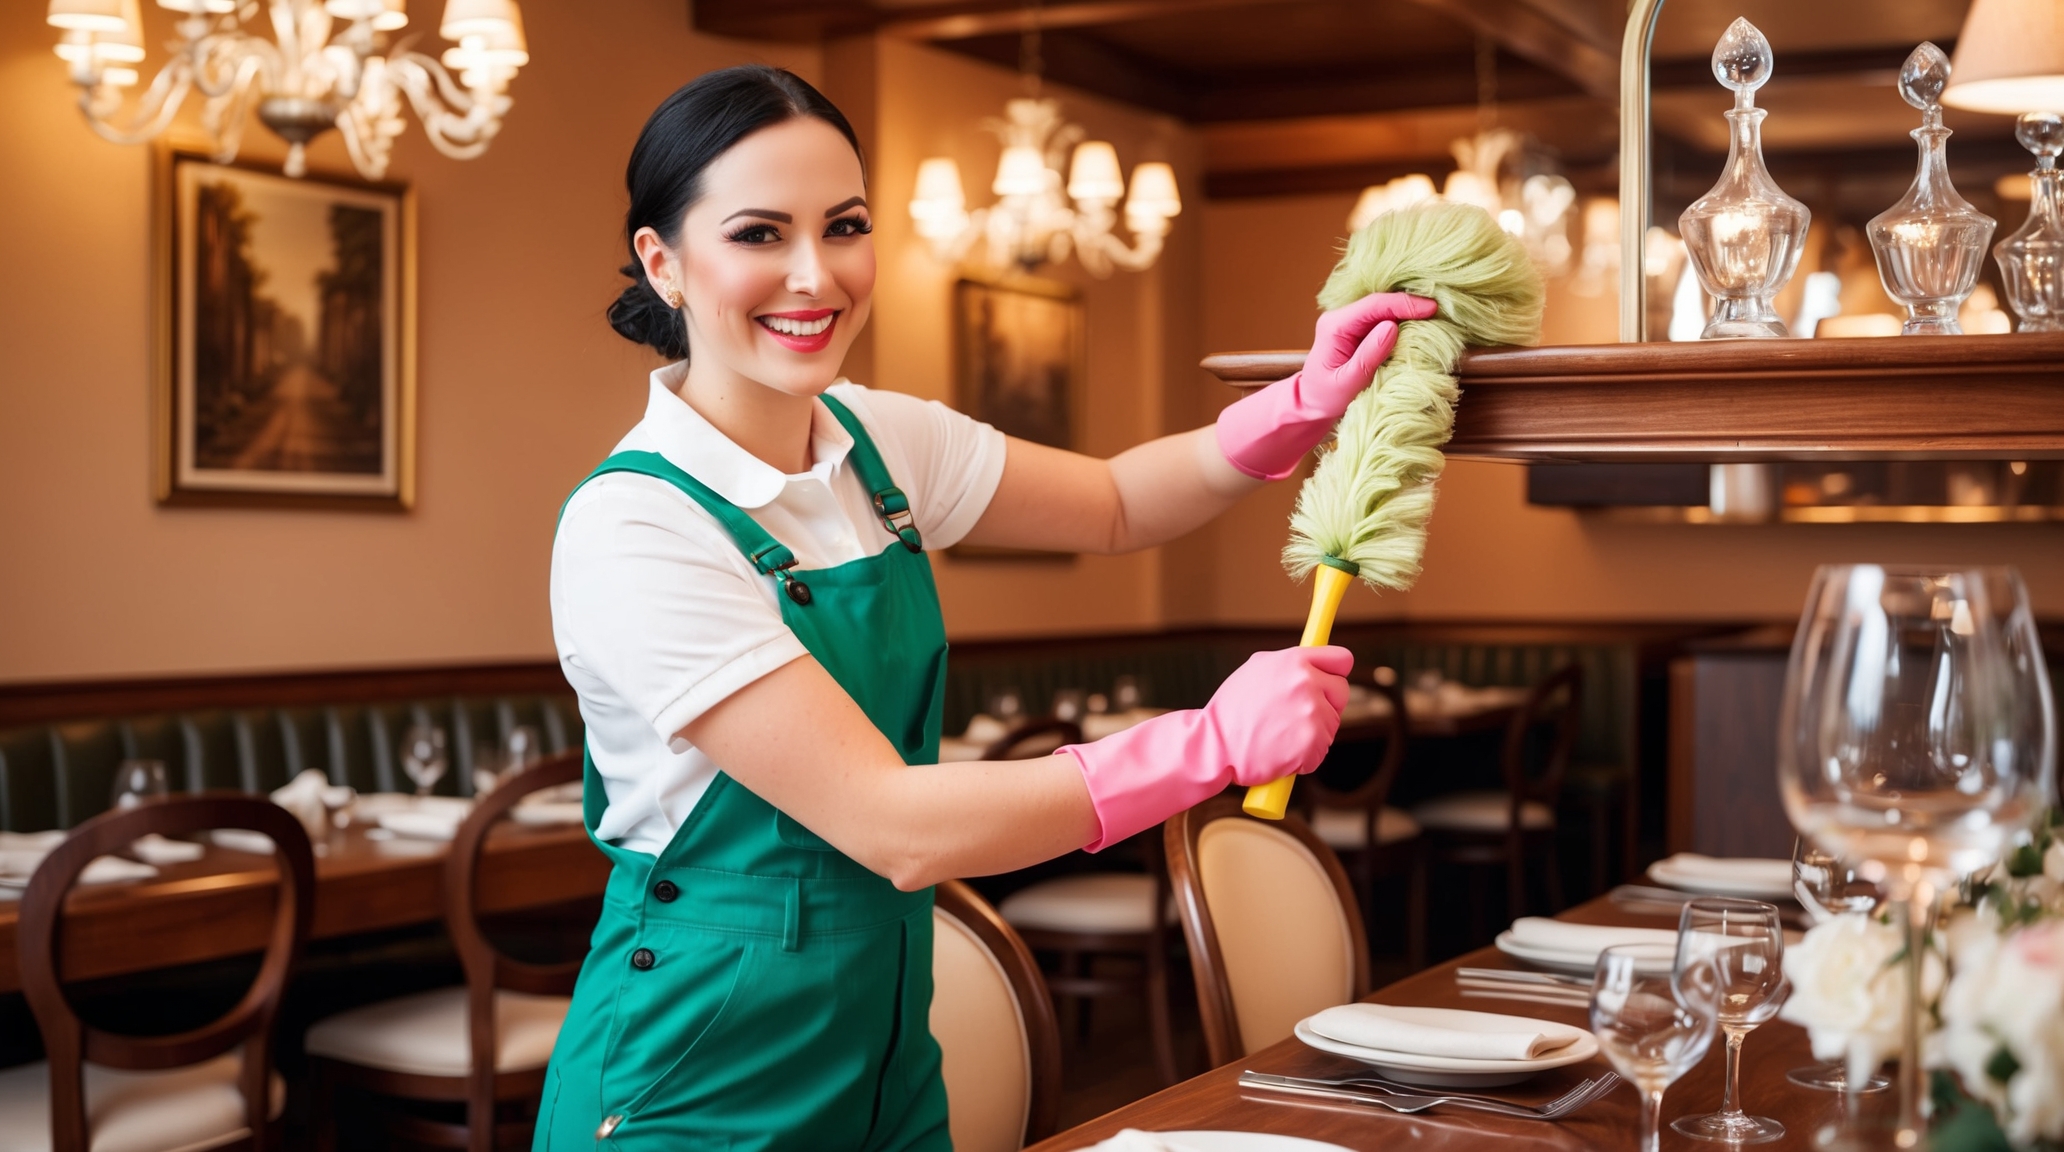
pixel 1915 738
pixel 137 781
pixel 1827 886
pixel 422 756
pixel 1743 940
pixel 1654 1011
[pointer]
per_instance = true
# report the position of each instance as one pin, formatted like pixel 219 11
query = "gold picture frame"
pixel 283 317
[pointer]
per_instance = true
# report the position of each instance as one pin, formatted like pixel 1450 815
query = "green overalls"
pixel 753 987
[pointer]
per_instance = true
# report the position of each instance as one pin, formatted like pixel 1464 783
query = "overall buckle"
pixel 775 560
pixel 894 509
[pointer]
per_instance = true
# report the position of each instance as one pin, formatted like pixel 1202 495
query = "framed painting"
pixel 285 338
pixel 1019 360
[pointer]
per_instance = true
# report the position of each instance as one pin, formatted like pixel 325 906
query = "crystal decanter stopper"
pixel 2032 259
pixel 1744 236
pixel 1931 244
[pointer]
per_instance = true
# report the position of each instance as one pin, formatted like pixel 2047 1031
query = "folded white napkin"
pixel 1377 1026
pixel 420 824
pixel 242 840
pixel 17 865
pixel 1582 939
pixel 1760 875
pixel 156 849
pixel 547 814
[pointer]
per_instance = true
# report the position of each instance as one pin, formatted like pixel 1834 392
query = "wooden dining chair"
pixel 484 1043
pixel 1515 825
pixel 1376 841
pixel 999 1043
pixel 208 1087
pixel 1088 916
pixel 1271 921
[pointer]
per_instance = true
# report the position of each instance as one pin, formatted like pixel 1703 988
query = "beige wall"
pixel 523 384
pixel 1143 342
pixel 1491 556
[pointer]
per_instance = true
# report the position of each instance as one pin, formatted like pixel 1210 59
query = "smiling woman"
pixel 742 598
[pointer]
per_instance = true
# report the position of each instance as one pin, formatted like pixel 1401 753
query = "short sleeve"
pixel 950 462
pixel 652 598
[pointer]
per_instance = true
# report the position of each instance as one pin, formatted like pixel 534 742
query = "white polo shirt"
pixel 656 613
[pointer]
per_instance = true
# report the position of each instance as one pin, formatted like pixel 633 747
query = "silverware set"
pixel 1533 987
pixel 1412 1098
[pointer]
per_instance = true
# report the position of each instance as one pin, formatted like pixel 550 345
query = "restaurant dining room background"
pixel 180 570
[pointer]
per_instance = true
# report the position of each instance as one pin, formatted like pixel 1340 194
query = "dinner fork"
pixel 1604 1083
pixel 1409 1103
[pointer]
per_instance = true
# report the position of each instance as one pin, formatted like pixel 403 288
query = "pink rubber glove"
pixel 1275 715
pixel 1265 434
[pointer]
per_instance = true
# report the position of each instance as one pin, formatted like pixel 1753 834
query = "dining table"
pixel 221 905
pixel 1215 1101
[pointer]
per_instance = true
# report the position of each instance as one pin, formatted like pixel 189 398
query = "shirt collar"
pixel 692 444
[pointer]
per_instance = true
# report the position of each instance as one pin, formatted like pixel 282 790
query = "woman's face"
pixel 775 261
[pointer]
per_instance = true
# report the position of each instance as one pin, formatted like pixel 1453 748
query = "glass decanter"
pixel 1930 245
pixel 1744 236
pixel 2032 259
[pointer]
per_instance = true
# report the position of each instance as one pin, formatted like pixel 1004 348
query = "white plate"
pixel 1553 959
pixel 1451 1071
pixel 1708 885
pixel 1243 1142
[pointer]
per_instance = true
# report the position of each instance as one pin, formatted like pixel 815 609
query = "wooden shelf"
pixel 1913 398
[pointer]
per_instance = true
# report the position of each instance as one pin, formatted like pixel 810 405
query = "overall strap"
pixel 767 554
pixel 889 501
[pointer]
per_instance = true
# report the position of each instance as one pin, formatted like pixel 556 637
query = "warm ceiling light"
pixel 333 68
pixel 1094 174
pixel 2009 58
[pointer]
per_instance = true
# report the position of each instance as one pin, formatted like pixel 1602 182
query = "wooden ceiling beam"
pixel 1542 31
pixel 806 20
pixel 1093 66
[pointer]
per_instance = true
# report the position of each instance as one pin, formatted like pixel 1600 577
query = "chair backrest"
pixel 994 1021
pixel 486 967
pixel 1272 924
pixel 1034 738
pixel 1372 794
pixel 70 1042
pixel 1555 703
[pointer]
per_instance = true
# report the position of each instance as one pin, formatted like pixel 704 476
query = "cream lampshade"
pixel 1020 172
pixel 1094 174
pixel 386 15
pixel 1153 192
pixel 200 7
pixel 86 15
pixel 463 18
pixel 2009 58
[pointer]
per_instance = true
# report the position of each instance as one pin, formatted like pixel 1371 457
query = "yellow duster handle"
pixel 1269 801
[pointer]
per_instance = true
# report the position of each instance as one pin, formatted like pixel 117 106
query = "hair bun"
pixel 640 316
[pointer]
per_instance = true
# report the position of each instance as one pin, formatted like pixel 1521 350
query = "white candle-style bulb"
pixel 1094 173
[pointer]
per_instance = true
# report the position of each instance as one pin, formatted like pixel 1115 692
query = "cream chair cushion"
pixel 180 1110
pixel 1281 930
pixel 425 1034
pixel 1089 902
pixel 1480 812
pixel 983 1042
pixel 1347 829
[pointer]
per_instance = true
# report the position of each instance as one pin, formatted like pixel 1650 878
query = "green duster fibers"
pixel 1364 510
pixel 1368 501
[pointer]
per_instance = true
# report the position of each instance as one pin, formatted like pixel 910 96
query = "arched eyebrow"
pixel 841 206
pixel 762 213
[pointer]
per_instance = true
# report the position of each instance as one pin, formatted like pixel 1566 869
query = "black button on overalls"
pixel 643 959
pixel 666 892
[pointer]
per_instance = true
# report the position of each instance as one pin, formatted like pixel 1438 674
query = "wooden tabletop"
pixel 221 905
pixel 1612 1124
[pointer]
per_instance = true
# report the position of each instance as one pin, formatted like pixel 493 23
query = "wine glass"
pixel 422 756
pixel 1828 886
pixel 137 781
pixel 1126 693
pixel 1743 941
pixel 1654 1012
pixel 521 748
pixel 1916 739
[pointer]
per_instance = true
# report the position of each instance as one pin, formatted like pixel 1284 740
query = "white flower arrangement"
pixel 1997 1022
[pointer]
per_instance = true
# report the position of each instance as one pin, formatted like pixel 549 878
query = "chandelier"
pixel 329 65
pixel 1536 207
pixel 1039 217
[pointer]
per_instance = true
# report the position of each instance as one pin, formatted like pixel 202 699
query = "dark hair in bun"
pixel 695 125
